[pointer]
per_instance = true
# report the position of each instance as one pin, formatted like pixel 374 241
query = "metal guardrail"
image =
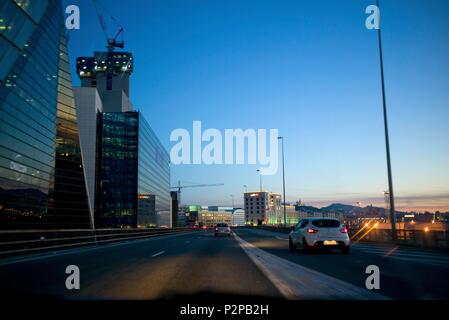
pixel 416 238
pixel 19 242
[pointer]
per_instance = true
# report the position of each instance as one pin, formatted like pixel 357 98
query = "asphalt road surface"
pixel 405 273
pixel 196 262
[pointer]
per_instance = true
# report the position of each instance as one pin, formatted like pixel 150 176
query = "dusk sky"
pixel 307 68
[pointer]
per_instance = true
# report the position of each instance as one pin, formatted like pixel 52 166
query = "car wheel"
pixel 291 246
pixel 305 246
pixel 345 250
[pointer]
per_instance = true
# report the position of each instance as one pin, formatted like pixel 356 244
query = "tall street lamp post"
pixel 387 141
pixel 260 179
pixel 283 181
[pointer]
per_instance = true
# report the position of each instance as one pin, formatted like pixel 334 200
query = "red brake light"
pixel 344 230
pixel 310 230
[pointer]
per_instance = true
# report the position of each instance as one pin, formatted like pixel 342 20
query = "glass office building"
pixel 133 173
pixel 41 174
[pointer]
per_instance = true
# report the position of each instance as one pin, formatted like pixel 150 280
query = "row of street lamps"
pixel 387 145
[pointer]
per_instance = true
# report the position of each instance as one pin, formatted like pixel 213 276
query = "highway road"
pixel 405 273
pixel 251 263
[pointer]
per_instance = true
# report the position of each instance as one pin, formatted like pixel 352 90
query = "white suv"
pixel 319 232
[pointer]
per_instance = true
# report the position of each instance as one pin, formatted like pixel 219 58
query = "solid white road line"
pixel 158 254
pixel 298 282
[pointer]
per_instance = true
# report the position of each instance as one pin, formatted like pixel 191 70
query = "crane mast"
pixel 112 43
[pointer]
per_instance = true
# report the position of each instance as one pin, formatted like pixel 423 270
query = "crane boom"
pixel 111 42
pixel 199 185
pixel 179 187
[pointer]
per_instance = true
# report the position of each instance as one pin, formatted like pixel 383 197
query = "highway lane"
pixel 197 262
pixel 406 273
pixel 145 269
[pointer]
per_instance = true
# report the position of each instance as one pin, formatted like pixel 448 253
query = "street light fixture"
pixel 283 181
pixel 260 179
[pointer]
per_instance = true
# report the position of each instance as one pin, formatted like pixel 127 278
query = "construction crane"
pixel 111 42
pixel 179 187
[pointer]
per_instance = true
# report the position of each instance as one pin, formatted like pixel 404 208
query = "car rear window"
pixel 222 225
pixel 326 223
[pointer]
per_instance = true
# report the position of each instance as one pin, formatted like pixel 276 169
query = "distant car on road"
pixel 222 229
pixel 312 233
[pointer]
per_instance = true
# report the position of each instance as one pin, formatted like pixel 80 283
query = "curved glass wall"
pixel 37 121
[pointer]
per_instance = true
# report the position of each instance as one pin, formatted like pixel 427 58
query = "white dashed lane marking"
pixel 158 254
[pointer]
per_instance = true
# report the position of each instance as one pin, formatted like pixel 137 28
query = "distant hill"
pixel 347 209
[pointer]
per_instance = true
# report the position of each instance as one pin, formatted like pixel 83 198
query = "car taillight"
pixel 310 230
pixel 216 229
pixel 344 230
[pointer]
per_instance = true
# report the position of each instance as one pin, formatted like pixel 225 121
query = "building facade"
pixel 42 182
pixel 133 173
pixel 258 205
pixel 211 218
pixel 238 218
pixel 175 208
pixel 88 105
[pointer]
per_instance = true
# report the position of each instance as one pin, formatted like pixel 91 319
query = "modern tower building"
pixel 42 182
pixel 133 173
pixel 131 184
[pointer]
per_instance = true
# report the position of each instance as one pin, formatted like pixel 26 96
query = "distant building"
pixel 146 210
pixel 218 208
pixel 292 216
pixel 211 218
pixel 181 219
pixel 164 219
pixel 238 218
pixel 191 214
pixel 174 208
pixel 258 204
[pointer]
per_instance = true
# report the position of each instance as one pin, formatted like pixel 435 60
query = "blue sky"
pixel 308 68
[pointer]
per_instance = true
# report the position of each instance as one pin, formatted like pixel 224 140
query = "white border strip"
pixel 298 282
